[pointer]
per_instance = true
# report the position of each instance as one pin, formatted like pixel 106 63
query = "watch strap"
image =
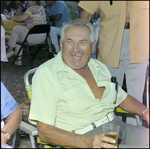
pixel 6 134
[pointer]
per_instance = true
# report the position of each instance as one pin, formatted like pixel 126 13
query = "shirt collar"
pixel 97 68
pixel 59 65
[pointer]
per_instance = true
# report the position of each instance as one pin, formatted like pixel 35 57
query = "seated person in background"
pixel 9 109
pixel 7 5
pixel 34 15
pixel 72 96
pixel 59 14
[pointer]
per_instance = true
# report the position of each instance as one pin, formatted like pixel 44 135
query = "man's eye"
pixel 69 41
pixel 83 42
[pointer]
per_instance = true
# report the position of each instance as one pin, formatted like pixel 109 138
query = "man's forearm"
pixel 20 18
pixel 85 15
pixel 59 137
pixel 55 17
pixel 13 121
pixel 132 105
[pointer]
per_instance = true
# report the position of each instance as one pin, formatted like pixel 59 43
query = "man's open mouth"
pixel 77 55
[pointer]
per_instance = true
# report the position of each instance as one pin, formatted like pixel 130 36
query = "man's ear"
pixel 60 45
pixel 93 46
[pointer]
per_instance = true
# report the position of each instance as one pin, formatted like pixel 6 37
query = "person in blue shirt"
pixel 11 111
pixel 58 13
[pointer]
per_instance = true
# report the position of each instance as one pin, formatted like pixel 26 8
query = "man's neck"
pixel 83 72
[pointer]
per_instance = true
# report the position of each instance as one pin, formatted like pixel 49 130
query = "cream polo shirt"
pixel 112 21
pixel 62 98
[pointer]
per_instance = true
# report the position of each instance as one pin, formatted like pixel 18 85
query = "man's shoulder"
pixel 60 3
pixel 99 63
pixel 47 64
pixel 103 67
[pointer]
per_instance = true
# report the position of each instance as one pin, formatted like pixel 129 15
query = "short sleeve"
pixel 60 8
pixel 44 98
pixel 121 95
pixel 8 103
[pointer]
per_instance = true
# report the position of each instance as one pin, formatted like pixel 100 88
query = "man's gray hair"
pixel 78 22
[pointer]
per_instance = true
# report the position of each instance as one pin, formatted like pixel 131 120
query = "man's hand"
pixel 50 23
pixel 100 141
pixel 6 12
pixel 7 15
pixel 146 116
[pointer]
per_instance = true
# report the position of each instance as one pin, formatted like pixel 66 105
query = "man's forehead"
pixel 70 29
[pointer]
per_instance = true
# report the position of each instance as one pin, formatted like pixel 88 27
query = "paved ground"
pixel 12 77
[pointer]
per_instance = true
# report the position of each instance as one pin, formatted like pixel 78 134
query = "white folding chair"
pixel 31 130
pixel 28 128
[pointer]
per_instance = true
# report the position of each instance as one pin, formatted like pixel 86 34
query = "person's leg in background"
pixel 122 69
pixel 54 32
pixel 135 82
pixel 135 76
pixel 119 72
pixel 32 40
pixel 21 37
pixel 96 26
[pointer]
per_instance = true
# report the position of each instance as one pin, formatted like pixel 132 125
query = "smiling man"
pixel 72 96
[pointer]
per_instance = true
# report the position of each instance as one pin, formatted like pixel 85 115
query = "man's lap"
pixel 129 135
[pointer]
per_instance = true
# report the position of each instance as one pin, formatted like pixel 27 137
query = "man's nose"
pixel 76 47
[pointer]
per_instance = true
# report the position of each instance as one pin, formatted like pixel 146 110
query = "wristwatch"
pixel 6 134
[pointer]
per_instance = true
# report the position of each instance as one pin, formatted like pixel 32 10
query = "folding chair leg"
pixel 17 55
pixel 29 57
pixel 32 141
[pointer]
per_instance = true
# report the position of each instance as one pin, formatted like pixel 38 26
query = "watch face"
pixel 7 135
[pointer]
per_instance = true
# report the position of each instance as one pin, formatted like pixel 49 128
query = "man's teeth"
pixel 77 55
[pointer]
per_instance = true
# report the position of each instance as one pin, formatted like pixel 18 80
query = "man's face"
pixel 49 3
pixel 77 47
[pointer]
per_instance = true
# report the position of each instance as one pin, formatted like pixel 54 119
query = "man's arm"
pixel 85 15
pixel 18 18
pixel 132 105
pixel 56 136
pixel 13 121
pixel 55 17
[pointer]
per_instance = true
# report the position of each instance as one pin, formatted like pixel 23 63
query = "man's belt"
pixel 127 25
pixel 109 117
